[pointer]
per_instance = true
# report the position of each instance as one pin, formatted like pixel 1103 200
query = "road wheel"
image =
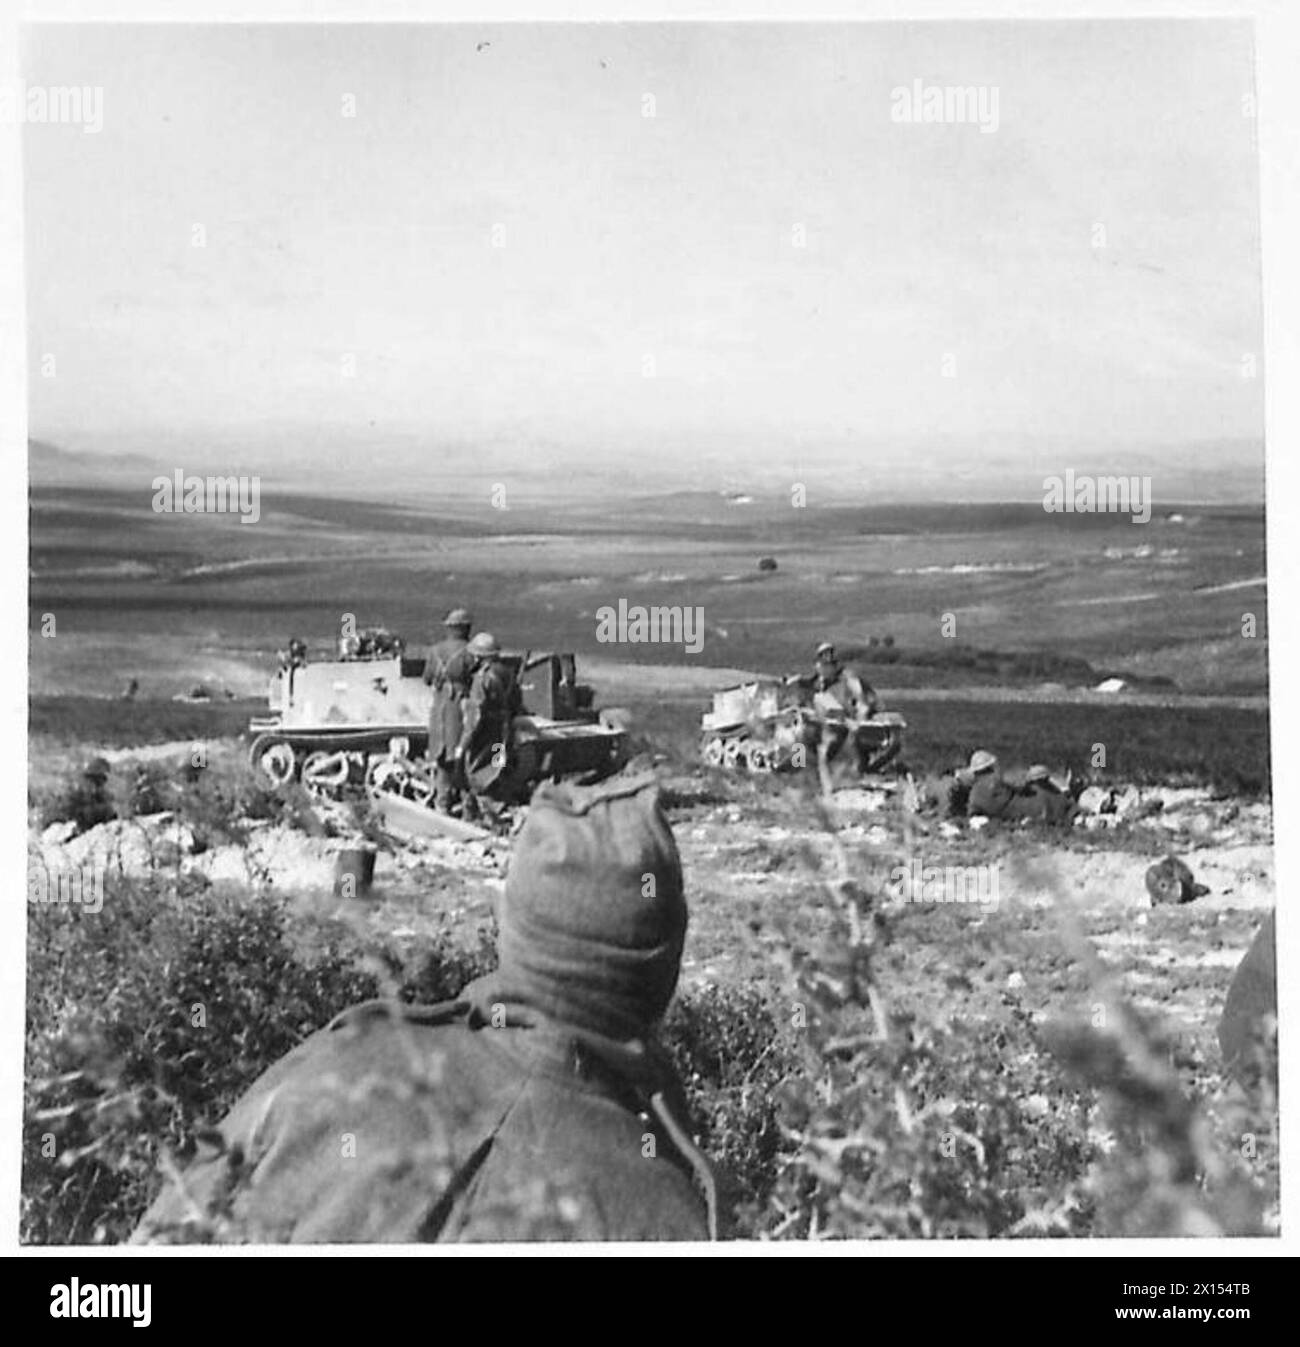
pixel 397 776
pixel 713 751
pixel 758 759
pixel 324 775
pixel 733 754
pixel 275 759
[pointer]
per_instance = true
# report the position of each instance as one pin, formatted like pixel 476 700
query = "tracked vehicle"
pixel 360 722
pixel 775 725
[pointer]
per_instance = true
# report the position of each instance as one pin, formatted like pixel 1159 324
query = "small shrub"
pixel 145 1023
pixel 79 802
pixel 734 1056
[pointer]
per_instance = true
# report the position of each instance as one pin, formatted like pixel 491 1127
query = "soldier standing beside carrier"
pixel 491 704
pixel 448 671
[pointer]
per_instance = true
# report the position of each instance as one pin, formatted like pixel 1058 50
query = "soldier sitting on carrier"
pixel 843 698
pixel 838 688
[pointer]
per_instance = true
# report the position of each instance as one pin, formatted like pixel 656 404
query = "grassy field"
pixel 173 598
pixel 1226 749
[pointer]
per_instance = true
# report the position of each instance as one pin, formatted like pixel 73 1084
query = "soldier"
pixel 947 793
pixel 537 1105
pixel 989 793
pixel 836 685
pixel 1040 798
pixel 843 698
pixel 88 803
pixel 493 702
pixel 447 670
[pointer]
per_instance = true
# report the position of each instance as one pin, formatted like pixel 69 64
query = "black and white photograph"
pixel 645 633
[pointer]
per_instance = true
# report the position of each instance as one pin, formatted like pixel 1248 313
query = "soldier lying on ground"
pixel 1041 797
pixel 989 793
pixel 538 1105
pixel 994 797
pixel 950 792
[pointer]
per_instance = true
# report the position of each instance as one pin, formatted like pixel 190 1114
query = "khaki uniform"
pixel 990 796
pixel 489 708
pixel 401 1124
pixel 843 700
pixel 447 670
pixel 1040 800
pixel 846 693
pixel 947 794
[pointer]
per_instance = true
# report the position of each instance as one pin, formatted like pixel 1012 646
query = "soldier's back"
pixel 385 1129
pixel 990 796
pixel 448 662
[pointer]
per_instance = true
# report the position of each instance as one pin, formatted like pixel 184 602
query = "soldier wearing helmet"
pixel 539 1104
pixel 837 685
pixel 989 793
pixel 492 703
pixel 448 670
pixel 1042 797
pixel 844 699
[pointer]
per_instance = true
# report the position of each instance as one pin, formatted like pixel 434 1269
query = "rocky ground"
pixel 757 855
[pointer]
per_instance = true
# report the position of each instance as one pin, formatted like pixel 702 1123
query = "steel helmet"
pixel 484 644
pixel 458 617
pixel 982 760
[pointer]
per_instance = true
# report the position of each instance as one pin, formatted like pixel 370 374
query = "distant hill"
pixel 50 465
pixel 727 483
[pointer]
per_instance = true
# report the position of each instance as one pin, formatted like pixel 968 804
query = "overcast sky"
pixel 626 239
